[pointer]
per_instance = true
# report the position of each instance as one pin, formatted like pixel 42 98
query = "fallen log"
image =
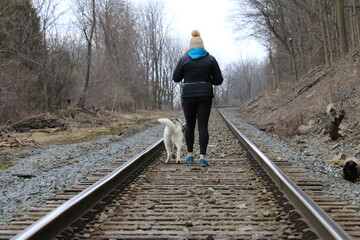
pixel 43 121
pixel 46 130
pixel 15 142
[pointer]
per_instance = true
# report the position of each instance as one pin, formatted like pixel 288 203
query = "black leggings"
pixel 197 108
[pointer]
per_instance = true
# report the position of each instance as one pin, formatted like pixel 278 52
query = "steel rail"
pixel 55 222
pixel 323 224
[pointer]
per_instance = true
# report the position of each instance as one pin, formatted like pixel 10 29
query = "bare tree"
pixel 327 46
pixel 341 26
pixel 354 25
pixel 244 79
pixel 153 30
pixel 118 39
pixel 20 51
pixel 301 34
pixel 172 52
pixel 269 16
pixel 229 84
pixel 86 15
pixel 48 12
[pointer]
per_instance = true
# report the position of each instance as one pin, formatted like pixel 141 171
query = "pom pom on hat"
pixel 195 33
pixel 195 40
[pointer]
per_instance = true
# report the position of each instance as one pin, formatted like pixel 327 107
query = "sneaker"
pixel 203 162
pixel 189 160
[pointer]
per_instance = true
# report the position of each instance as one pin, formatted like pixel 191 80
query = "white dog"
pixel 173 135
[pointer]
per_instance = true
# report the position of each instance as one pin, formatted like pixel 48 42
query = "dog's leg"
pixel 172 151
pixel 178 152
pixel 168 147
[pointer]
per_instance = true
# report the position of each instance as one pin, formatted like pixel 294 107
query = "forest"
pixel 120 56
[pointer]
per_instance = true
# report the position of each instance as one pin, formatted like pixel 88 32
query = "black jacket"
pixel 199 75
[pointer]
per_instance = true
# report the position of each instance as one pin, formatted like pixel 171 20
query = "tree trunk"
pixel 89 39
pixel 356 27
pixel 323 32
pixel 293 61
pixel 273 68
pixel 327 33
pixel 341 27
pixel 46 96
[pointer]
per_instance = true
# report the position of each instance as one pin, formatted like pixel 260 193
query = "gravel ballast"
pixel 53 169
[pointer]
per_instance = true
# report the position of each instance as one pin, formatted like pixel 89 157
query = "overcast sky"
pixel 213 19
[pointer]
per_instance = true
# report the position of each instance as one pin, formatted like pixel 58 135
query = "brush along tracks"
pixel 231 199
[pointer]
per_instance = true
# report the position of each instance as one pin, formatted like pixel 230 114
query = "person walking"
pixel 200 72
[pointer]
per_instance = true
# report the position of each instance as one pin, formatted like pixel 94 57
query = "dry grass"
pixel 83 127
pixel 80 127
pixel 279 110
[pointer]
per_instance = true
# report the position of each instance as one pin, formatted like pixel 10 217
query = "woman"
pixel 200 71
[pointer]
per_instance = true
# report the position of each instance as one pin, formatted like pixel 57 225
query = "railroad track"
pixel 242 195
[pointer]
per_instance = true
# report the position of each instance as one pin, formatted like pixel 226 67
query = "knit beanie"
pixel 195 40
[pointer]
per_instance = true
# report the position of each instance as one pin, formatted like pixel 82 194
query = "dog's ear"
pixel 179 120
pixel 176 120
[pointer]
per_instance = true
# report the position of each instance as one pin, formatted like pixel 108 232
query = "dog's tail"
pixel 168 123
